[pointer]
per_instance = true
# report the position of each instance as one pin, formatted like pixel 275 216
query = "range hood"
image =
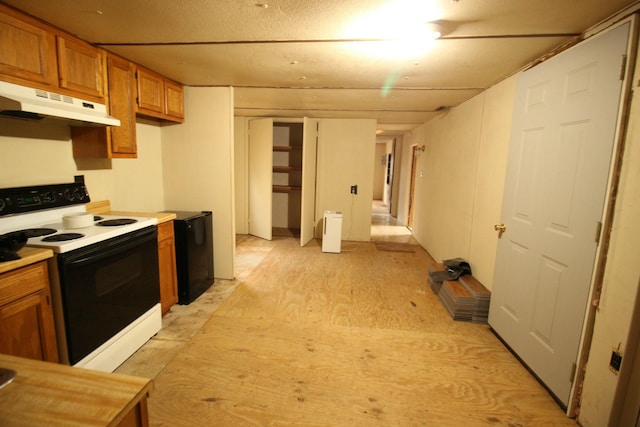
pixel 25 102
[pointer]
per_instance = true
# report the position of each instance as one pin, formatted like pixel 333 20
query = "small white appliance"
pixel 332 232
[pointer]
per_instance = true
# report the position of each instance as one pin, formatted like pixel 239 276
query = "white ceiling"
pixel 297 58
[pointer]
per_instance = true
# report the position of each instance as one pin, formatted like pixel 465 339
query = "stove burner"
pixel 37 232
pixel 62 237
pixel 116 222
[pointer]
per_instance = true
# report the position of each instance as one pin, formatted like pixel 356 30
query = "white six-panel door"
pixel 309 154
pixel 562 136
pixel 260 177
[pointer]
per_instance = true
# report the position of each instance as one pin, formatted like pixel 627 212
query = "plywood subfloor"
pixel 394 247
pixel 350 339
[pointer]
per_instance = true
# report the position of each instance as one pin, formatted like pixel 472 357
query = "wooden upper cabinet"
pixel 174 100
pixel 36 55
pixel 150 92
pixel 122 100
pixel 27 52
pixel 159 97
pixel 113 141
pixel 81 67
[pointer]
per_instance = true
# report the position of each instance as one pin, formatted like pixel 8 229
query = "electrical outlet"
pixel 354 189
pixel 616 361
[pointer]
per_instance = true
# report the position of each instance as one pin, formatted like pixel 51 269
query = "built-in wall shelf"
pixel 285 188
pixel 287 148
pixel 287 169
pixel 285 232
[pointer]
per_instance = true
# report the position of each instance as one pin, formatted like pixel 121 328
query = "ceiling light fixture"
pixel 262 5
pixel 400 29
pixel 434 29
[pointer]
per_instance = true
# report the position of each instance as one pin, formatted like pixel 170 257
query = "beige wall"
pixel 198 161
pixel 446 180
pixel 137 184
pixel 460 178
pixel 40 153
pixel 346 148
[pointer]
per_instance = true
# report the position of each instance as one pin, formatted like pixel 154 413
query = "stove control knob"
pixel 2 205
pixel 67 194
pixel 78 193
pixel 48 197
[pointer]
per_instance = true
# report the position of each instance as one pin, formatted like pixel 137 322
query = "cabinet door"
pixel 27 53
pixel 122 106
pixel 150 92
pixel 167 262
pixel 174 100
pixel 81 68
pixel 26 321
pixel 113 141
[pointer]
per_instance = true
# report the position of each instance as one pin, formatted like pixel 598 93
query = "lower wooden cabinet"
pixel 167 262
pixel 138 416
pixel 26 318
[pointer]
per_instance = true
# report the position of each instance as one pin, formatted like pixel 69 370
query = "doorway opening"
pixel 386 228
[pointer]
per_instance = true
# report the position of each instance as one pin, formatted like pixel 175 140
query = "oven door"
pixel 106 286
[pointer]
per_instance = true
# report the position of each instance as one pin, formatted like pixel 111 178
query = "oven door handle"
pixel 109 247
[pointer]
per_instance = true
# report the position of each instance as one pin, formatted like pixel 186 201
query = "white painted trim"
pixel 121 346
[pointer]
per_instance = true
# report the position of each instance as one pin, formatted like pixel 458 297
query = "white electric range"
pixel 46 229
pixel 104 275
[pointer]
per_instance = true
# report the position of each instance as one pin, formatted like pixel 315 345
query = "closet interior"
pixel 287 178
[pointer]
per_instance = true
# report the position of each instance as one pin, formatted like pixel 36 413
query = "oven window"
pixel 114 276
pixel 105 287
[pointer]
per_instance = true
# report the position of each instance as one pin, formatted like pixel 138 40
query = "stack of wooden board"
pixel 458 301
pixel 481 296
pixel 465 299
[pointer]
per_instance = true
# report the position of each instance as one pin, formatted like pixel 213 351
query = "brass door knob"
pixel 500 227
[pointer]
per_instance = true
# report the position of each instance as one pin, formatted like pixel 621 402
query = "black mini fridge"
pixel 194 253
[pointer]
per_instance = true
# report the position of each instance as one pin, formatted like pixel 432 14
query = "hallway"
pixel 386 228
